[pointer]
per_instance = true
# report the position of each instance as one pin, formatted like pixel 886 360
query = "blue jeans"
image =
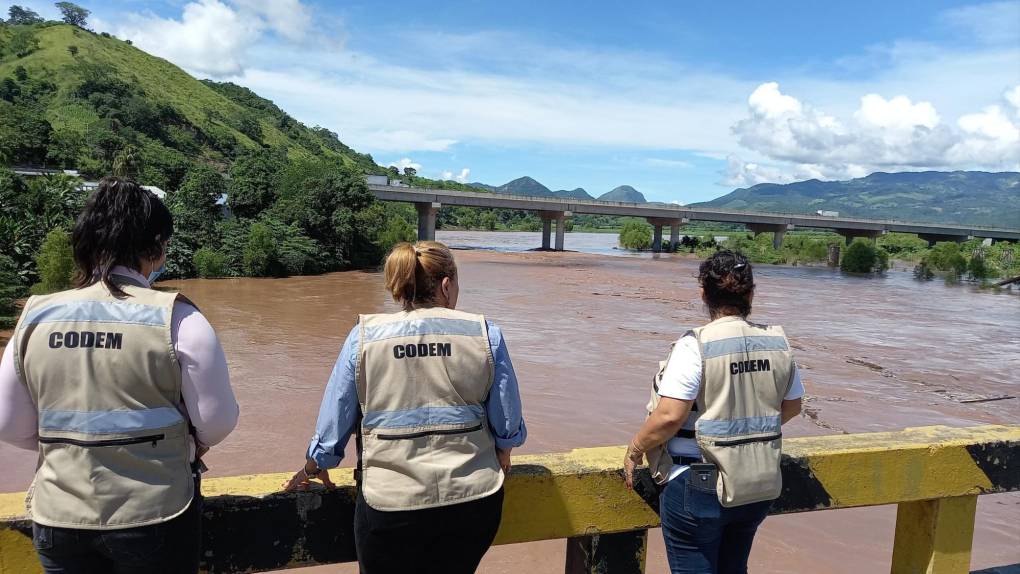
pixel 172 547
pixel 703 537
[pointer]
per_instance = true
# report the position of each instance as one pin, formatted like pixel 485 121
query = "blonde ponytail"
pixel 413 273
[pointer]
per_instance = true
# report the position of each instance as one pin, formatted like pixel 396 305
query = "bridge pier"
pixel 933 238
pixel 674 232
pixel 778 231
pixel 427 220
pixel 548 217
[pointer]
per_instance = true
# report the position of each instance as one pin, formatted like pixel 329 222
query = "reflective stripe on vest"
pixel 748 370
pixel 102 373
pixel 423 378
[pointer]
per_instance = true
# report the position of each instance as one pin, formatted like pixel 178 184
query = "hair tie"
pixel 739 266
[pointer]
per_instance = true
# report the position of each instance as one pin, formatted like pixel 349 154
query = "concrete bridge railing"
pixel 934 474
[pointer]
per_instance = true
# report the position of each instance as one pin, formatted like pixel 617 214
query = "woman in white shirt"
pixel 737 380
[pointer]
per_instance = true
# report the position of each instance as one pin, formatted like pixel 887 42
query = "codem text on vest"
pixel 751 366
pixel 86 340
pixel 412 350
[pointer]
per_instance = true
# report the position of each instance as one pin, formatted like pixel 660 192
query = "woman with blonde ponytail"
pixel 432 395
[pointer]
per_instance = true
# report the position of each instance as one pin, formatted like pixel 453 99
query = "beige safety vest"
pixel 104 378
pixel 747 371
pixel 423 377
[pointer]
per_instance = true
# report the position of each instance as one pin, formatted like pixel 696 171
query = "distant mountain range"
pixel 961 197
pixel 528 186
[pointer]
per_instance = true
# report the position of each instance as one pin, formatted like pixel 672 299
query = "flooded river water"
pixel 586 330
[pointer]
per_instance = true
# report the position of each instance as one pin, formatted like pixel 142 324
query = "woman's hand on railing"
pixel 302 479
pixel 503 455
pixel 633 458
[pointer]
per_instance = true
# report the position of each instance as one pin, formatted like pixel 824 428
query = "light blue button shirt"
pixel 339 412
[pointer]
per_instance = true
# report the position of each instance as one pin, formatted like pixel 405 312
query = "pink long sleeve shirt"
pixel 209 401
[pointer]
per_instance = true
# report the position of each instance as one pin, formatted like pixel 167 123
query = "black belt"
pixel 685 433
pixel 685 460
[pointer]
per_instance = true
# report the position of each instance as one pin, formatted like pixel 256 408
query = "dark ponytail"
pixel 728 283
pixel 122 224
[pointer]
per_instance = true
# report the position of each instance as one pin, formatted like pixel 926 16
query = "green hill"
pixel 71 98
pixel 960 197
pixel 624 193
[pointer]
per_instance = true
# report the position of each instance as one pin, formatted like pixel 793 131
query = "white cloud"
pixel 884 134
pixel 289 18
pixel 462 177
pixel 994 22
pixel 405 162
pixel 667 163
pixel 213 37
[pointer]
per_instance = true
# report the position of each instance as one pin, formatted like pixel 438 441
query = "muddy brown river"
pixel 586 330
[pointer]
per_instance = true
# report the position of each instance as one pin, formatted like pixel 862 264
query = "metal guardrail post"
pixel 620 553
pixel 934 536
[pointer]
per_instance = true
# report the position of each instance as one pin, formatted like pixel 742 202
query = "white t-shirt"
pixel 682 380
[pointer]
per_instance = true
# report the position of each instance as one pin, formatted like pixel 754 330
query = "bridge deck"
pixel 667 212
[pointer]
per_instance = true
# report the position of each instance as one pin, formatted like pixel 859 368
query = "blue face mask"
pixel 155 274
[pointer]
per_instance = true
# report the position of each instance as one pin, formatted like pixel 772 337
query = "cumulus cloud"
pixel 462 177
pixel 894 134
pixel 405 162
pixel 213 37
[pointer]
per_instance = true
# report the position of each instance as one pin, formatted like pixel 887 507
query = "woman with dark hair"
pixel 432 396
pixel 713 433
pixel 121 389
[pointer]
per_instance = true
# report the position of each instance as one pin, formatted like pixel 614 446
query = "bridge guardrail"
pixel 934 474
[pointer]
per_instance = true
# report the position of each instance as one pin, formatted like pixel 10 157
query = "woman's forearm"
pixel 662 424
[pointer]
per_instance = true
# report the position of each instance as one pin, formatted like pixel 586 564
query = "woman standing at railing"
pixel 433 398
pixel 713 432
pixel 120 388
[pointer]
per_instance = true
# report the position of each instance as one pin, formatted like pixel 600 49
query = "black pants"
pixel 445 540
pixel 169 548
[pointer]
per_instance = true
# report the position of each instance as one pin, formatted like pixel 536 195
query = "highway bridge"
pixel 554 211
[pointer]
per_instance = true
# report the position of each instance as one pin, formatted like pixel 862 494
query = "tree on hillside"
pixel 410 171
pixel 20 15
pixel 254 179
pixel 331 205
pixel 196 214
pixel 55 262
pixel 127 163
pixel 73 14
pixel 24 135
pixel 22 43
pixel 11 289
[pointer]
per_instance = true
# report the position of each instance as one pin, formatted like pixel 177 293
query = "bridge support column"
pixel 548 217
pixel 934 536
pixel 427 220
pixel 622 553
pixel 933 238
pixel 674 232
pixel 561 229
pixel 778 231
pixel 657 237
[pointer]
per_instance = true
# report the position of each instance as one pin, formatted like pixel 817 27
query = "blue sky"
pixel 684 101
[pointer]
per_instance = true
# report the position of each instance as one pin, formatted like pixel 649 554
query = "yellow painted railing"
pixel 934 474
